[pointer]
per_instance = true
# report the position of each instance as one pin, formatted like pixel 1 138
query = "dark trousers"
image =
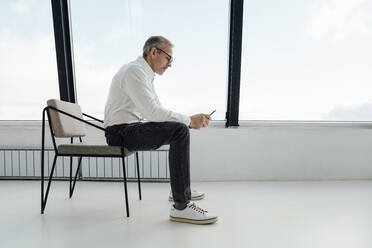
pixel 152 135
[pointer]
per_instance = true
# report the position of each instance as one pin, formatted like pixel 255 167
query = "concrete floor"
pixel 251 214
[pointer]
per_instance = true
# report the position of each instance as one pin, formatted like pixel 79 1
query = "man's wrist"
pixel 188 123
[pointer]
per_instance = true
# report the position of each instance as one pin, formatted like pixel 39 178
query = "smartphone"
pixel 212 112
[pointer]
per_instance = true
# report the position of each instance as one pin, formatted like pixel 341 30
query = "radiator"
pixel 25 164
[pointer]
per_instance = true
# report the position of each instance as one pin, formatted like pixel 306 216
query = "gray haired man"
pixel 135 118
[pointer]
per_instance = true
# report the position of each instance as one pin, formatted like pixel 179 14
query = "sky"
pixel 307 60
pixel 301 60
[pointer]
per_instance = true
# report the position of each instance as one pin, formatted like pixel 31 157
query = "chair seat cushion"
pixel 84 149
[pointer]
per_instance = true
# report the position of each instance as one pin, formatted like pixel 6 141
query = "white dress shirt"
pixel 132 97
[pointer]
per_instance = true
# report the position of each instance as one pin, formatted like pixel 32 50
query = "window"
pixel 28 70
pixel 307 60
pixel 108 34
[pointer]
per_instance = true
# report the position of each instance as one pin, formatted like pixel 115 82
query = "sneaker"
pixel 195 195
pixel 192 214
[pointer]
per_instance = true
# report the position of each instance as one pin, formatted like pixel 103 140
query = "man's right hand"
pixel 200 120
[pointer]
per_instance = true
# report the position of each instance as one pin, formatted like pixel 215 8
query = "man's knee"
pixel 181 129
pixel 184 129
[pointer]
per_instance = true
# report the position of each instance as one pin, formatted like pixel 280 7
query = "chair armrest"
pixel 94 118
pixel 76 118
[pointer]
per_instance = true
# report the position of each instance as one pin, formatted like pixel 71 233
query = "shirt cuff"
pixel 186 120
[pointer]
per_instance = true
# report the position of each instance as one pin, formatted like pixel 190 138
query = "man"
pixel 131 100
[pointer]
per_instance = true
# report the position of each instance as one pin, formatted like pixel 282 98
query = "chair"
pixel 66 121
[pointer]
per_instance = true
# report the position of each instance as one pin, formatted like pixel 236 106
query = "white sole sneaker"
pixel 192 214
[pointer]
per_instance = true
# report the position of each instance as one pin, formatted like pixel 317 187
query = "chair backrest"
pixel 63 125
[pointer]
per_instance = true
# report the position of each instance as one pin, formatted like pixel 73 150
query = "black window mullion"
pixel 64 51
pixel 235 50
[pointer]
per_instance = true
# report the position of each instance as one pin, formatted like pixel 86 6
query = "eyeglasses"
pixel 170 59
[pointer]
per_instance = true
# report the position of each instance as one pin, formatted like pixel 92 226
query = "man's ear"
pixel 153 51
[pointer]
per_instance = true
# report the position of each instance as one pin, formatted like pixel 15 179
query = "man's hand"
pixel 200 120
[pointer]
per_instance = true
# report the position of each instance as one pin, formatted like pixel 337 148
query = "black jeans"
pixel 152 135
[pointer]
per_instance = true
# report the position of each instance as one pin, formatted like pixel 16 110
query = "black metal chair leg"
pixel 138 177
pixel 125 187
pixel 42 162
pixel 72 188
pixel 70 193
pixel 44 200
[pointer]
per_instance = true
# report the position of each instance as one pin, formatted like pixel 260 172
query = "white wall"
pixel 282 152
pixel 254 151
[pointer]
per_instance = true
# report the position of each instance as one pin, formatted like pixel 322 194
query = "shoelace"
pixel 196 208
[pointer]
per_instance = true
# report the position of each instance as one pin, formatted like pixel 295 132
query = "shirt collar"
pixel 146 66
